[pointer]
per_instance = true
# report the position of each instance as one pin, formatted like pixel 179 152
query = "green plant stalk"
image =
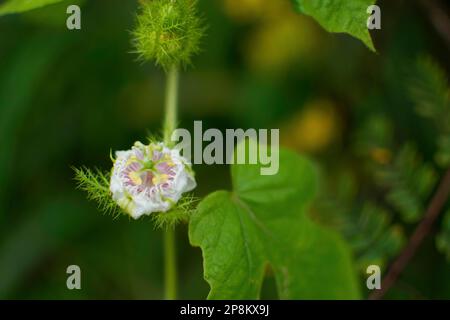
pixel 170 111
pixel 170 277
pixel 170 122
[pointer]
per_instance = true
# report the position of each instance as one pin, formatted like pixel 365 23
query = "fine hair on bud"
pixel 168 32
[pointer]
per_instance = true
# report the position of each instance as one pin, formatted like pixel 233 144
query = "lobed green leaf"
pixel 262 223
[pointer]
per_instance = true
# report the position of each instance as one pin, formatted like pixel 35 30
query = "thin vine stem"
pixel 170 122
pixel 170 261
pixel 170 111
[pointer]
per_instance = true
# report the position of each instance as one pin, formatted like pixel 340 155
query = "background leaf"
pixel 349 16
pixel 262 223
pixel 16 6
pixel 24 72
pixel 38 237
pixel 429 91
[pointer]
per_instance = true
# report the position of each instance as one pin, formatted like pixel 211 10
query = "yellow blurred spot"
pixel 244 10
pixel 313 129
pixel 278 43
pixel 381 155
pixel 280 36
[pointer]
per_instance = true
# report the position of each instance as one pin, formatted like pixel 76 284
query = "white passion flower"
pixel 150 178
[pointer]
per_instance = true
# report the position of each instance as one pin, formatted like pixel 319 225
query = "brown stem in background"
pixel 436 205
pixel 439 18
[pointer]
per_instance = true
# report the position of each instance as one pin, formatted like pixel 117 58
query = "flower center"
pixel 146 173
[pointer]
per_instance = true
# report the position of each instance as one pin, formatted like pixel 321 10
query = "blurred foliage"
pixel 409 183
pixel 377 125
pixel 430 91
pixel 443 238
pixel 14 6
pixel 367 227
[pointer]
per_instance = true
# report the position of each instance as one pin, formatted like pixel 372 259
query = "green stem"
pixel 170 122
pixel 170 262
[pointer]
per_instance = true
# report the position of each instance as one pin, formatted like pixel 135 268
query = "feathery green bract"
pixel 96 184
pixel 179 214
pixel 168 32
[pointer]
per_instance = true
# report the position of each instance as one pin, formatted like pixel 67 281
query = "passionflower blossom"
pixel 150 178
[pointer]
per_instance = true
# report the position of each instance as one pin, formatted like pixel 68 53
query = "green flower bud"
pixel 168 32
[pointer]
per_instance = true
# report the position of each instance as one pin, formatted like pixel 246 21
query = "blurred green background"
pixel 69 97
